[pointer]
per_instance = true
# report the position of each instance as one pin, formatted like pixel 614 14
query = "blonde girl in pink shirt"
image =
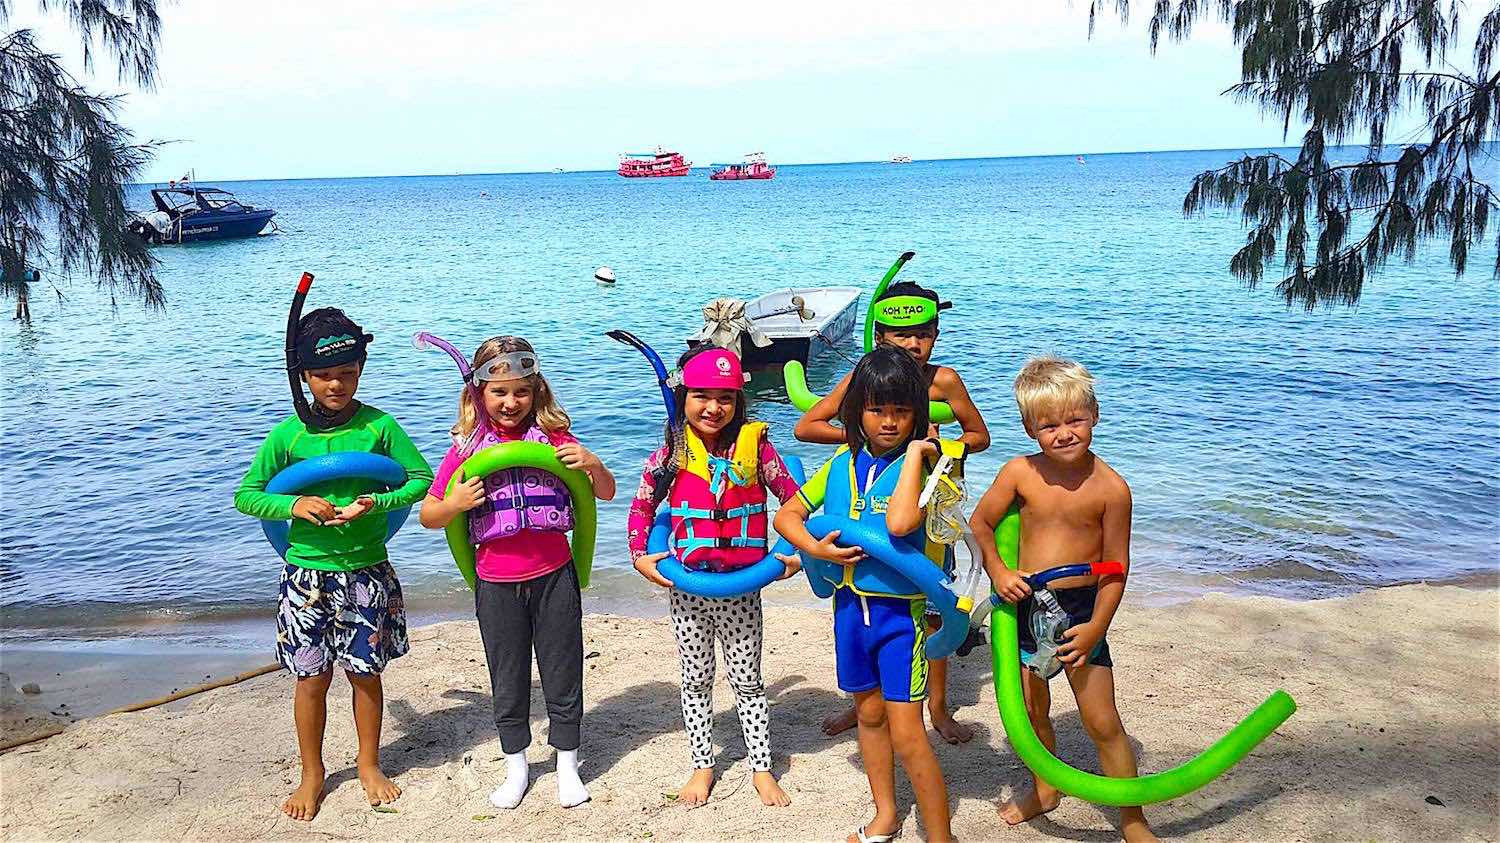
pixel 527 592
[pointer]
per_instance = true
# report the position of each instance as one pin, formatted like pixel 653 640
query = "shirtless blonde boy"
pixel 1074 509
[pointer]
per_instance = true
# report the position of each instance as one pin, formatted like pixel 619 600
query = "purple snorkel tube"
pixel 423 341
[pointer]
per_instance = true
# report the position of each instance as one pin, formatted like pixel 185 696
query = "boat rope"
pixel 831 344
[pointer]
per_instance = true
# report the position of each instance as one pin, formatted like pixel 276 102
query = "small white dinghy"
pixel 800 323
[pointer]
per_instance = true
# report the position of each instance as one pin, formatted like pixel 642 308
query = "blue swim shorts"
pixel 352 618
pixel 878 644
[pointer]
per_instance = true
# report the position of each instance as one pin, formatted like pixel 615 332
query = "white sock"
pixel 570 789
pixel 510 792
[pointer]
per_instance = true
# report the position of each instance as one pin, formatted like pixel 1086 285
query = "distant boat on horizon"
pixel 899 159
pixel 1081 161
pixel 647 165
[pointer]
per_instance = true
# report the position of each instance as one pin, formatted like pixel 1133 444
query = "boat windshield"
pixel 218 200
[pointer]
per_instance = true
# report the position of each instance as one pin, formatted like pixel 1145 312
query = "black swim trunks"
pixel 1079 604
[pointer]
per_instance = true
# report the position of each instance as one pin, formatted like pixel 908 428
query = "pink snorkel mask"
pixel 717 368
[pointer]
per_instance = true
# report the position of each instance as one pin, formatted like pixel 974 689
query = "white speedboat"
pixel 800 322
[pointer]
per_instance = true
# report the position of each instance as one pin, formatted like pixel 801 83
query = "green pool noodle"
pixel 938 412
pixel 543 457
pixel 1103 790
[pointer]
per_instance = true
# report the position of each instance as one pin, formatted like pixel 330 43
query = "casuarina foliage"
pixel 1348 69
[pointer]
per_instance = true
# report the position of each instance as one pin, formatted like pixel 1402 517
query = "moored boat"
pixel 647 165
pixel 753 167
pixel 800 323
pixel 185 214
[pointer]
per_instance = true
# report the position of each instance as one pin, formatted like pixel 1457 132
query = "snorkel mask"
pixel 1049 620
pixel 1048 623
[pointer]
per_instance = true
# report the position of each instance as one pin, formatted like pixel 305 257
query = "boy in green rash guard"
pixel 340 599
pixel 914 329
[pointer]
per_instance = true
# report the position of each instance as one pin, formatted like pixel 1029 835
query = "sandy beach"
pixel 1397 738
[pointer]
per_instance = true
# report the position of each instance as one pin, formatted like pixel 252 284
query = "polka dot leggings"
pixel 737 623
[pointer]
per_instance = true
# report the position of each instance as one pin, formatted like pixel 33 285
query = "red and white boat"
pixel 647 165
pixel 754 167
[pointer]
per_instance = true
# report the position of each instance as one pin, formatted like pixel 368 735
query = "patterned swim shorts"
pixel 353 618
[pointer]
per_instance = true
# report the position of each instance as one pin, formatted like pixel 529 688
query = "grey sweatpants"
pixel 544 613
pixel 737 624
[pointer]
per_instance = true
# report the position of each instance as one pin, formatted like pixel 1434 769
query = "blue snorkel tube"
pixel 661 369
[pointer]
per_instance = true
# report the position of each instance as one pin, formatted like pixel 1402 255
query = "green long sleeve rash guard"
pixel 361 542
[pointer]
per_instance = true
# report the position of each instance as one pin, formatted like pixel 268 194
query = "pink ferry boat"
pixel 660 164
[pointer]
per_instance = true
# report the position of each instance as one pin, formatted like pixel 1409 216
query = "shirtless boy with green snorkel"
pixel 1074 509
pixel 906 316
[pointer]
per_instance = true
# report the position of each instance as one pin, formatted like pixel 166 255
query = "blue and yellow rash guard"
pixel 860 488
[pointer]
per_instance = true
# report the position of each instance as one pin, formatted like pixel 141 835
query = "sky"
pixel 277 89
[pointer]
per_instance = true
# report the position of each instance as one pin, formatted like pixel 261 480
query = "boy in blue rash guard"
pixel 878 633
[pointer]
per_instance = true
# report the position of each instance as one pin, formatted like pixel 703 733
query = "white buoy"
pixel 604 275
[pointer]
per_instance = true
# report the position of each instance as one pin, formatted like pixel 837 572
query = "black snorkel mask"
pixel 316 353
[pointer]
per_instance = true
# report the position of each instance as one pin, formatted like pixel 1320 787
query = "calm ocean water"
pixel 1270 450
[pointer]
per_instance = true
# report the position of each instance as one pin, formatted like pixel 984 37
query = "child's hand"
pixel 1011 586
pixel 1082 639
pixel 466 495
pixel 314 509
pixel 574 455
pixel 646 565
pixel 922 448
pixel 827 549
pixel 793 564
pixel 345 514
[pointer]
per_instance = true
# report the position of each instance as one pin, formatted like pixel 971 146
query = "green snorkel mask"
pixel 908 311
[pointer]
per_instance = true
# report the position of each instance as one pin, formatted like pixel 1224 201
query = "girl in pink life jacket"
pixel 714 472
pixel 527 591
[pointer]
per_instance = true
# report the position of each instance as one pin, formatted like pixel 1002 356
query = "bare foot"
pixel 304 801
pixel 1133 827
pixel 1033 803
pixel 841 722
pixel 770 790
pixel 952 731
pixel 378 788
pixel 696 791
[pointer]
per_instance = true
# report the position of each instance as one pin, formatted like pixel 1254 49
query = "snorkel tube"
pixel 890 275
pixel 656 363
pixel 293 365
pixel 795 374
pixel 1102 790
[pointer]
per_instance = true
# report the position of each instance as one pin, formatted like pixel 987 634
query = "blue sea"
pixel 1271 450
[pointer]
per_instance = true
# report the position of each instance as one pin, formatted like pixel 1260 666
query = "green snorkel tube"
pixel 795 374
pixel 890 275
pixel 1102 790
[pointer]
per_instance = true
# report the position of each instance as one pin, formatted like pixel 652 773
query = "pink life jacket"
pixel 516 498
pixel 718 505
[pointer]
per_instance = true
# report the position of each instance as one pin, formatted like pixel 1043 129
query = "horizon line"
pixel 778 164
